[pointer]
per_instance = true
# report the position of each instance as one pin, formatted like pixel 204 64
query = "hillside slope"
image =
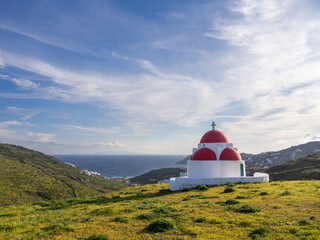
pixel 276 210
pixel 29 176
pixel 304 168
pixel 156 175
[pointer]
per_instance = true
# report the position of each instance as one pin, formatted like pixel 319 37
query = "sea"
pixel 121 165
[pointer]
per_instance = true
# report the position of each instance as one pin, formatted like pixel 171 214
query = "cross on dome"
pixel 213 125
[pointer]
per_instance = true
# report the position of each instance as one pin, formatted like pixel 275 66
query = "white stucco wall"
pixel 203 169
pixel 213 169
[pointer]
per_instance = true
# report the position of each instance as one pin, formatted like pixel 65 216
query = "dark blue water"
pixel 121 165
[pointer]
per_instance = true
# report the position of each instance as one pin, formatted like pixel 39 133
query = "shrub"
pixel 187 198
pixel 203 188
pixel 285 193
pixel 6 228
pixel 160 225
pixel 303 222
pixel 57 228
pixel 146 216
pixel 164 211
pixel 129 210
pixel 105 211
pixel 312 218
pixel 228 189
pixel 245 224
pixel 97 237
pixel 258 232
pixel 264 193
pixel 245 208
pixel 122 219
pixel 200 219
pixel 232 202
pixel 243 197
pixel 164 191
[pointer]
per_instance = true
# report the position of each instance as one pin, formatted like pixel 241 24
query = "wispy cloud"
pixel 21 83
pixel 26 113
pixel 156 95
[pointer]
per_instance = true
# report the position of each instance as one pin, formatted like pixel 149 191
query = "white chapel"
pixel 214 162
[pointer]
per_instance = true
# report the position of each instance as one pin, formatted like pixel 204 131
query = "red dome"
pixel 214 136
pixel 204 154
pixel 230 154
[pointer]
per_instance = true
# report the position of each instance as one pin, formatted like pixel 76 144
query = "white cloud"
pixel 94 130
pixel 21 83
pixel 282 141
pixel 154 96
pixel 6 124
pixel 275 48
pixel 26 113
pixel 2 64
pixel 114 144
pixel 43 138
pixel 311 137
pixel 9 133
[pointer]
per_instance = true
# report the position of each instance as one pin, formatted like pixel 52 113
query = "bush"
pixel 200 219
pixel 228 189
pixel 203 188
pixel 57 229
pixel 232 202
pixel 165 211
pixel 122 219
pixel 245 224
pixel 146 216
pixel 97 237
pixel 264 193
pixel 303 222
pixel 245 208
pixel 243 197
pixel 105 211
pixel 258 232
pixel 285 193
pixel 160 225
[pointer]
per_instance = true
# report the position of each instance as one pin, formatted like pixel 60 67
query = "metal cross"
pixel 213 125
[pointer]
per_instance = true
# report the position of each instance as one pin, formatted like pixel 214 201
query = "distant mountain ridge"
pixel 304 168
pixel 28 176
pixel 269 159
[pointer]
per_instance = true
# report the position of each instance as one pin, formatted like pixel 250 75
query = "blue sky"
pixel 148 77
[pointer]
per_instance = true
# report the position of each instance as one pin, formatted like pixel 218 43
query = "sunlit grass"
pixel 289 210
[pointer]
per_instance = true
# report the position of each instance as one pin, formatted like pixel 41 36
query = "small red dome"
pixel 230 154
pixel 204 154
pixel 214 136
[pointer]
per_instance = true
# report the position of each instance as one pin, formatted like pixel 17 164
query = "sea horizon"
pixel 120 166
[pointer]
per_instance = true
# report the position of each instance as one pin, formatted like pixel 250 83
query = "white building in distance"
pixel 215 162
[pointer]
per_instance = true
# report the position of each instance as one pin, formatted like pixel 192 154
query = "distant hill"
pixel 29 176
pixel 156 175
pixel 304 168
pixel 269 159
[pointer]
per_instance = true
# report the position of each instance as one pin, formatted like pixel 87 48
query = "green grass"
pixel 28 176
pixel 304 168
pixel 156 213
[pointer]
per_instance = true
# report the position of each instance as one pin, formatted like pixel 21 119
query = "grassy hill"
pixel 276 210
pixel 154 176
pixel 29 176
pixel 303 168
